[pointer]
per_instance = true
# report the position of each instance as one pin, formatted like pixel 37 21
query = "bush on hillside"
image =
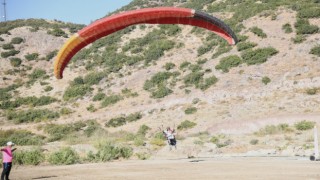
pixel 15 62
pixel 186 125
pixel 16 40
pixel 304 125
pixel 228 62
pixel 7 46
pixel 313 12
pixel 20 137
pixel 241 46
pixel 35 115
pixel 32 56
pixel 75 92
pixel 190 110
pixel 303 27
pixel 110 100
pixel 169 66
pixel 258 56
pixel 108 151
pixel 65 156
pixel 287 28
pixel 315 51
pixel 265 80
pixel 57 32
pixel 259 32
pixel 9 53
pixel 32 157
pixel 51 55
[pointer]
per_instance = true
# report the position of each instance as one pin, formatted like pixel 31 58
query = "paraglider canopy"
pixel 161 15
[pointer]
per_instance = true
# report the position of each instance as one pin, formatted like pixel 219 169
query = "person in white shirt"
pixel 170 135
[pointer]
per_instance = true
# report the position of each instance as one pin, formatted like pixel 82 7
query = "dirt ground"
pixel 239 168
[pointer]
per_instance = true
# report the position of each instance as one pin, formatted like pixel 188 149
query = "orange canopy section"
pixel 162 15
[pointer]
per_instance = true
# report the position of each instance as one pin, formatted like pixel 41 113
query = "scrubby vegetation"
pixel 228 62
pixel 190 110
pixel 32 115
pixel 20 137
pixel 32 56
pixel 304 125
pixel 120 121
pixel 287 28
pixel 107 151
pixel 258 56
pixel 9 53
pixel 15 62
pixel 64 156
pixel 315 51
pixel 259 32
pixel 265 80
pixel 274 129
pixel 186 125
pixel 30 157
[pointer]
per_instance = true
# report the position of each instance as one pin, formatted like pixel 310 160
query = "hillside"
pixel 259 97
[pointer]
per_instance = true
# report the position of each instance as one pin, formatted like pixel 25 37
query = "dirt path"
pixel 206 168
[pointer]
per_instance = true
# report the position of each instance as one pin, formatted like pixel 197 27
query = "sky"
pixel 75 11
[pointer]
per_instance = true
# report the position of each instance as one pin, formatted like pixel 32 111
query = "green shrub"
pixel 128 93
pixel 259 32
pixel 241 46
pixel 228 62
pixel 258 56
pixel 157 142
pixel 76 91
pixel 1 39
pixel 208 82
pixel 287 28
pixel 313 12
pixel 156 49
pixel 65 111
pixel 65 156
pixel 193 78
pixel 7 46
pixel 206 47
pixel 93 78
pixel 9 53
pixel 57 32
pixel 20 137
pixel 304 125
pixel 15 62
pixel 91 108
pixel 254 141
pixel 214 140
pixel 299 39
pixel 48 88
pixel 273 129
pixel 186 125
pixel 16 40
pixel 133 117
pixel 37 73
pixel 265 80
pixel 190 110
pixel 143 156
pixel 143 129
pixel 31 101
pixel 169 66
pixel 107 152
pixel 32 56
pixel 315 51
pixel 32 157
pixel 60 131
pixel 99 97
pixel 35 115
pixel 303 27
pixel 110 100
pixel 184 65
pixel 312 91
pixel 161 92
pixel 51 55
pixel 116 122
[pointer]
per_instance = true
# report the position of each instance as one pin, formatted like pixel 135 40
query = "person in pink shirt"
pixel 7 160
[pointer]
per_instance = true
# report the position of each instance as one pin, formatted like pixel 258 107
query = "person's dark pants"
pixel 6 171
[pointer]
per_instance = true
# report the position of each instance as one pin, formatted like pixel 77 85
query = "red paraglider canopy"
pixel 162 15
